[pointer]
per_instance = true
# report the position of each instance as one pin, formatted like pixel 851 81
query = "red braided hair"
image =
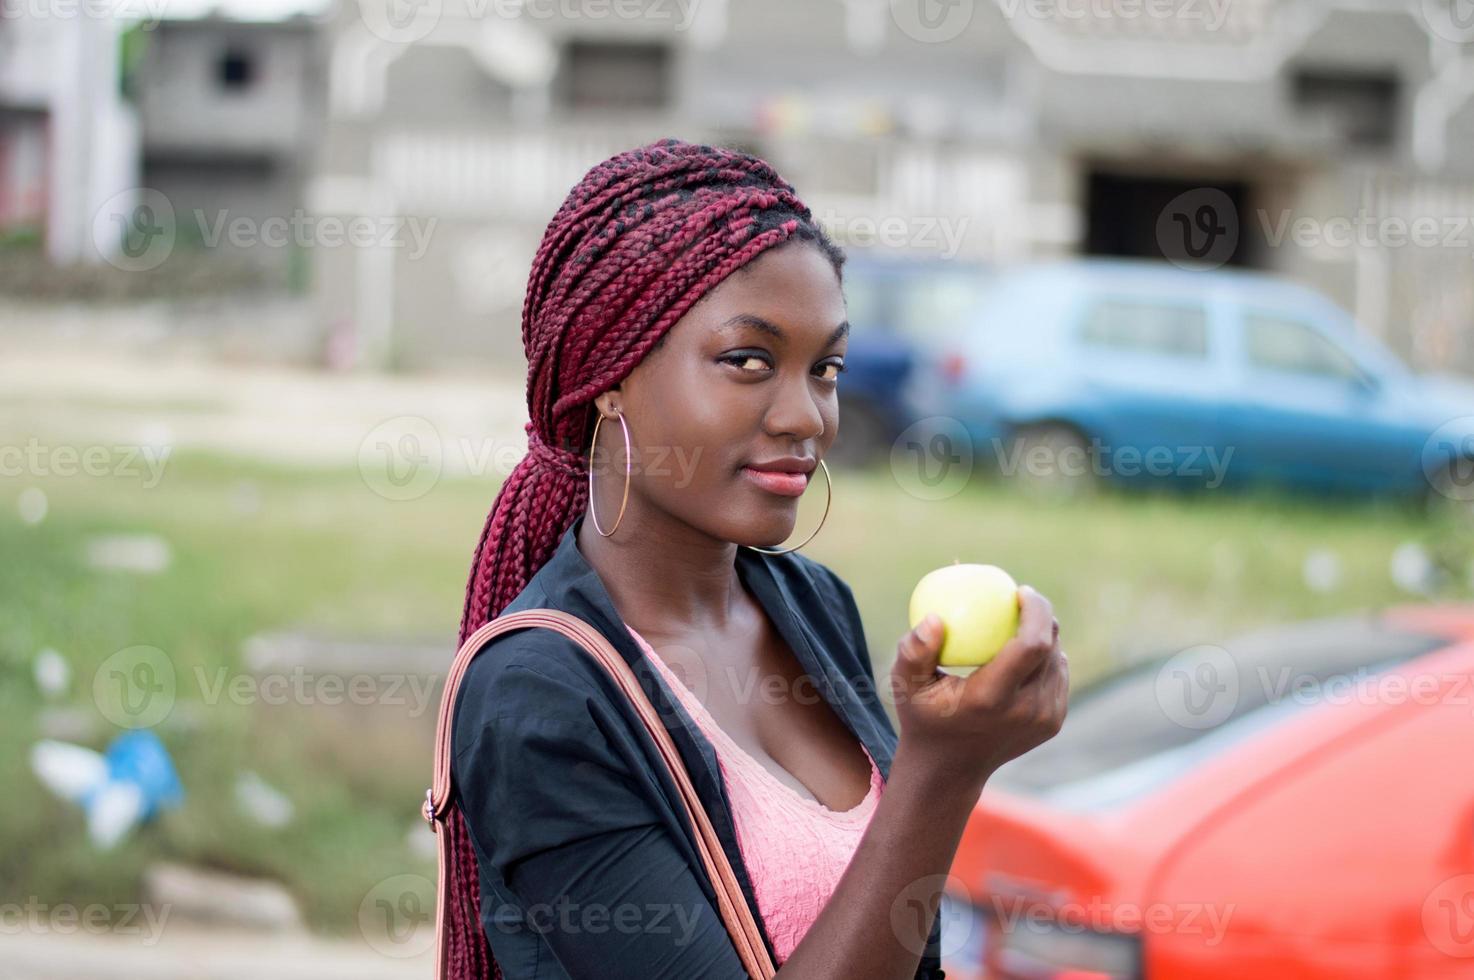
pixel 636 243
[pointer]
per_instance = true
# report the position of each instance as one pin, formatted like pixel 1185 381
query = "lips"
pixel 786 464
pixel 785 484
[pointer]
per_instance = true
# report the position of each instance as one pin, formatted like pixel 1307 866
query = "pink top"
pixel 795 847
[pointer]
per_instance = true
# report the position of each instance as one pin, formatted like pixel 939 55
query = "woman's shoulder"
pixel 525 677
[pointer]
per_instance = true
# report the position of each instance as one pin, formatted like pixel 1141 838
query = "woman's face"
pixel 747 377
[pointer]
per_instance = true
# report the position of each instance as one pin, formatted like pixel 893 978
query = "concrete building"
pixel 997 131
pixel 231 113
pixel 68 137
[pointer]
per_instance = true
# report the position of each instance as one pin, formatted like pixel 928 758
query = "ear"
pixel 608 403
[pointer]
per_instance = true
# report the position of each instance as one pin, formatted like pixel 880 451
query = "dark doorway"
pixel 1167 218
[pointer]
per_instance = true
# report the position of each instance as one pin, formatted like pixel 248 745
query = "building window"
pixel 1361 106
pixel 235 70
pixel 611 75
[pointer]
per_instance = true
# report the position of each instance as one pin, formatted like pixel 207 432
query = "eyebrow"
pixel 772 329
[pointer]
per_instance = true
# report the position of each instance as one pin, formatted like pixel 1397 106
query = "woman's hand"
pixel 964 728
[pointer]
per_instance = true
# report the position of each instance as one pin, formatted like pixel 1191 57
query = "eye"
pixel 742 357
pixel 839 369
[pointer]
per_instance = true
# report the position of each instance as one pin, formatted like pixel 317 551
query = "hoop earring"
pixel 828 499
pixel 594 441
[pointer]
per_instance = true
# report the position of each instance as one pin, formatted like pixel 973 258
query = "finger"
pixel 1047 664
pixel 1059 695
pixel 1031 643
pixel 1035 619
pixel 918 653
pixel 1064 682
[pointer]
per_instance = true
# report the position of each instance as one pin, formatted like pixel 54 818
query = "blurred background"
pixel 1165 306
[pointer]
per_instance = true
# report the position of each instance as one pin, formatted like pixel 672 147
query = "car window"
pixel 1123 723
pixel 919 304
pixel 1170 329
pixel 936 305
pixel 1279 343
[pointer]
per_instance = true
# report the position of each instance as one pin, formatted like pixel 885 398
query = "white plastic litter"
pixel 69 771
pixel 52 672
pixel 262 802
pixel 114 811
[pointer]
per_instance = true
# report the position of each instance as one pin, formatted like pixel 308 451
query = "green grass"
pixel 258 547
pixel 1132 574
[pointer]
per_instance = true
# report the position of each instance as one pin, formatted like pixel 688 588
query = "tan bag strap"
pixel 731 903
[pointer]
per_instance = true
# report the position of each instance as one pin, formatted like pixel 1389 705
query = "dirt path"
pixel 306 417
pixel 191 954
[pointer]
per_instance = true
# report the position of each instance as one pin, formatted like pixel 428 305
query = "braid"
pixel 635 244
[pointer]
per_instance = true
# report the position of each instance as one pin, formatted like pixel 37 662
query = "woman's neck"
pixel 665 574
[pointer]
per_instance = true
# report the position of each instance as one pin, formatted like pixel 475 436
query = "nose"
pixel 795 411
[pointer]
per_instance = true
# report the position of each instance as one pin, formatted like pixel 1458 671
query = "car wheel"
pixel 864 436
pixel 1050 460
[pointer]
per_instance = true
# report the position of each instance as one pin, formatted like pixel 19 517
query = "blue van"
pixel 1074 372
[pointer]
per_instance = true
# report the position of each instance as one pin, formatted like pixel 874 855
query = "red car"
pixel 1295 803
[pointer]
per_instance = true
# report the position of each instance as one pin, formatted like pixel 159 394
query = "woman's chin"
pixel 768 531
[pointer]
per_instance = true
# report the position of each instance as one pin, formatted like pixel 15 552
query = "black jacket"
pixel 589 868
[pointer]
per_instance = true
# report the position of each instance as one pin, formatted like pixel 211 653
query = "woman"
pixel 684 327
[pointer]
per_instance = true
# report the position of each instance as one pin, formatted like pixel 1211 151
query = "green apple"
pixel 978 605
